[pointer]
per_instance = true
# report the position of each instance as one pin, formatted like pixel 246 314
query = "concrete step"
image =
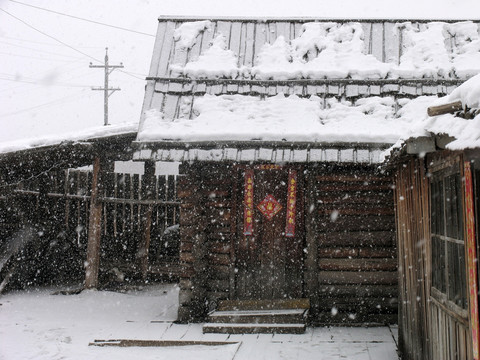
pixel 223 328
pixel 282 316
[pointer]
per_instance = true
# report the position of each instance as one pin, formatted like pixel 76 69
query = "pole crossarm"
pixel 107 91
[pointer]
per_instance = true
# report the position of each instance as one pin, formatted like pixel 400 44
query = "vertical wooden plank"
pixel 471 261
pixel 94 229
pixel 148 193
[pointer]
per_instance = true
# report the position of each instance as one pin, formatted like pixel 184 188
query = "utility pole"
pixel 106 90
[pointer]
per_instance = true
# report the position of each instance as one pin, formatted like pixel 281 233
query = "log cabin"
pixel 284 199
pixel 275 206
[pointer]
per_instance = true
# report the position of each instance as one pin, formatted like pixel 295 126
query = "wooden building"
pixel 275 210
pixel 268 217
pixel 437 205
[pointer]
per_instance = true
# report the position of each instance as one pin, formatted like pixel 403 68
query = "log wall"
pixel 350 230
pixel 350 255
pixel 207 230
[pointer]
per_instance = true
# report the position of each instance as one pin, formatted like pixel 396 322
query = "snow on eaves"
pixel 88 134
pixel 337 50
pixel 278 118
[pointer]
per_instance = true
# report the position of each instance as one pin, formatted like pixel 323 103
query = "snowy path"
pixel 39 325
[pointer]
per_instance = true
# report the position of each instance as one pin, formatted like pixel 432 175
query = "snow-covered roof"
pixel 297 81
pixel 465 133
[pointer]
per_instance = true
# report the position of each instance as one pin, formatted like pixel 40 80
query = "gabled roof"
pixel 207 75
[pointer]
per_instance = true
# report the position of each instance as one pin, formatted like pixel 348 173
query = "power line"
pixel 44 83
pixel 83 19
pixel 47 43
pixel 54 102
pixel 51 37
pixel 38 50
pixel 35 57
pixel 63 43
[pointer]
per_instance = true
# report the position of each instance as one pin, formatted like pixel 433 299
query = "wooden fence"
pixel 64 219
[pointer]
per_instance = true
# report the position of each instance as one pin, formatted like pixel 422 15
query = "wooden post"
pixel 94 229
pixel 148 193
pixel 311 261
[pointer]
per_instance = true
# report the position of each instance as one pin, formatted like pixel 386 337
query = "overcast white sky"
pixel 45 86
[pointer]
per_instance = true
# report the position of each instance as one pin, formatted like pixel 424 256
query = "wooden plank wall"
pixel 68 198
pixel 427 329
pixel 350 226
pixel 413 232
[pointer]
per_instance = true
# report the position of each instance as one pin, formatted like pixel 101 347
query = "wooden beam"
pixel 94 230
pixel 148 193
pixel 449 108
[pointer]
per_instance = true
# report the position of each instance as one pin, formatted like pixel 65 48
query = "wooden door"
pixel 269 257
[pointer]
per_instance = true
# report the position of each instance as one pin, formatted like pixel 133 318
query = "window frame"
pixel 448 236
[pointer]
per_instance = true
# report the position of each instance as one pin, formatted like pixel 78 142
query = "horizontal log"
pixel 362 198
pixel 340 187
pixel 187 257
pixel 370 252
pixel 355 252
pixel 365 198
pixel 337 252
pixel 355 290
pixel 219 247
pixel 360 305
pixel 219 259
pixel 218 285
pixel 388 264
pixel 222 215
pixel 188 232
pixel 355 223
pixel 449 108
pixel 186 246
pixel 355 277
pixel 357 238
pixel 220 203
pixel 218 231
pixel 219 272
pixel 356 211
pixel 352 178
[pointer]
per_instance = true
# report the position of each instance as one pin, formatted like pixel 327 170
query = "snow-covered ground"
pixel 37 324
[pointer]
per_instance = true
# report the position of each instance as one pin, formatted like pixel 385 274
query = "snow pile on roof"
pixel 426 54
pixel 466 132
pixel 468 93
pixel 216 62
pixel 337 50
pixel 279 118
pixel 466 52
pixel 187 33
pixel 277 61
pixel 340 52
pixel 88 134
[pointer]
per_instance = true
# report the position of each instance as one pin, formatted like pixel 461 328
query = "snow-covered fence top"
pixel 315 49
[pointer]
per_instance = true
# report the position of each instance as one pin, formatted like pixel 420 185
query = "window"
pixel 448 245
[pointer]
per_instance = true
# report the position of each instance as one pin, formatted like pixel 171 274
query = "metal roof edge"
pixel 167 144
pixel 303 19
